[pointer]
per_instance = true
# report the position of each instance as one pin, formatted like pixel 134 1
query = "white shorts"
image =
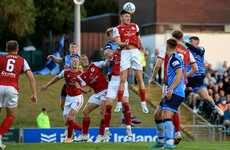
pixel 8 96
pixel 113 88
pixel 98 97
pixel 131 58
pixel 74 102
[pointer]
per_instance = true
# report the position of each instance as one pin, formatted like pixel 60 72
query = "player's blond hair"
pixel 172 44
pixel 178 34
pixel 83 55
pixel 12 46
pixel 108 31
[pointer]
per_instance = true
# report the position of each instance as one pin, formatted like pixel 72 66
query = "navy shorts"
pixel 171 104
pixel 63 91
pixel 196 82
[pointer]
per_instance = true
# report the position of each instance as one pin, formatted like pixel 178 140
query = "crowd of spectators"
pixel 217 83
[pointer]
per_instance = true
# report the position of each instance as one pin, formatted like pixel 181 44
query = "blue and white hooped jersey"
pixel 199 61
pixel 175 62
pixel 67 59
pixel 111 46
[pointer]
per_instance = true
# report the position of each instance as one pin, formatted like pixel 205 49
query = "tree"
pixel 17 21
pixel 55 15
pixel 98 7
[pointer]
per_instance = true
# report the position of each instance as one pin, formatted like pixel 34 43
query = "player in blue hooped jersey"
pixel 196 80
pixel 174 97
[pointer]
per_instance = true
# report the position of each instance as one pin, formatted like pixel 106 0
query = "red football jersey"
pixel 70 78
pixel 116 64
pixel 127 32
pixel 11 65
pixel 183 52
pixel 94 77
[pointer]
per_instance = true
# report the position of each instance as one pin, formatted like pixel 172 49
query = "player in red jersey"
pixel 187 58
pixel 92 77
pixel 74 99
pixel 112 94
pixel 127 37
pixel 11 65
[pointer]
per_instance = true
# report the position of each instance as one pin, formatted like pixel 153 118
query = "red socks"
pixel 85 124
pixel 142 94
pixel 108 115
pixel 72 125
pixel 102 127
pixel 119 96
pixel 176 122
pixel 127 113
pixel 6 124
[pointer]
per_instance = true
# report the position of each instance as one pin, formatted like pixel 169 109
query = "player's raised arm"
pixel 33 97
pixel 55 59
pixel 54 80
pixel 155 71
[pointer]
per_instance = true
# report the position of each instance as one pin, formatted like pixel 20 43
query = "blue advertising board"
pixel 118 135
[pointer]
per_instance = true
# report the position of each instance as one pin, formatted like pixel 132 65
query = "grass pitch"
pixel 118 146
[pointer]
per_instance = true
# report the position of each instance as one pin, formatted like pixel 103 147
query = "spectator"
pixel 223 103
pixel 216 89
pixel 157 51
pixel 143 58
pixel 225 75
pixel 227 117
pixel 221 84
pixel 210 69
pixel 217 98
pixel 222 93
pixel 210 92
pixel 205 67
pixel 226 86
pixel 211 85
pixel 216 76
pixel 223 68
pixel 43 119
pixel 209 77
pixel 228 98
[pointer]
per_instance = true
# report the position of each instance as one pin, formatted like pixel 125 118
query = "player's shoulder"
pixel 201 48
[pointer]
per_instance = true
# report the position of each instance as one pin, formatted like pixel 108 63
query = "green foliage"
pixel 97 7
pixel 17 21
pixel 55 15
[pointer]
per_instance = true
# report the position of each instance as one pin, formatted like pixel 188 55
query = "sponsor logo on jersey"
pixel 175 63
pixel 132 28
pixel 92 69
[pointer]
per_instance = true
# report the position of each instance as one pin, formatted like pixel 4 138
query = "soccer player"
pixel 174 97
pixel 11 65
pixel 188 58
pixel 110 48
pixel 127 37
pixel 92 77
pixel 112 94
pixel 196 80
pixel 74 99
pixel 73 50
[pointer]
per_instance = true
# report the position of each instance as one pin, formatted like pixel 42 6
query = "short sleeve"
pixel 191 58
pixel 99 64
pixel 116 33
pixel 175 63
pixel 61 75
pixel 137 28
pixel 162 53
pixel 108 46
pixel 26 67
pixel 82 81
